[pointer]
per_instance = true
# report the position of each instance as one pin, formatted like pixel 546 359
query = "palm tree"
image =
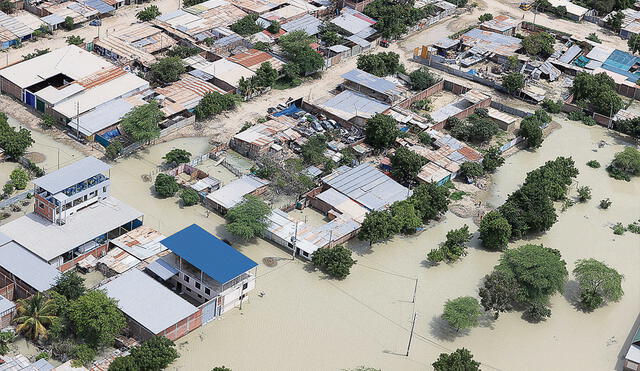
pixel 34 315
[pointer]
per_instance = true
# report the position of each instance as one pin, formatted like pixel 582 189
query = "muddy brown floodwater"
pixel 306 321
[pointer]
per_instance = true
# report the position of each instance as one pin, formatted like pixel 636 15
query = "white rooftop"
pixel 71 175
pixel 232 194
pixel 147 301
pixel 49 240
pixel 70 60
pixel 28 267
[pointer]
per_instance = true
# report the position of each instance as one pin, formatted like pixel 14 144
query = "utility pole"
pixel 411 335
pixel 295 239
pixel 415 288
pixel 78 120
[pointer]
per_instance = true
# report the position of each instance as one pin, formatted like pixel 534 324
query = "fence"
pixel 16 198
pixel 426 93
pixel 231 168
pixel 177 125
pixel 511 143
pixel 510 110
pixel 431 62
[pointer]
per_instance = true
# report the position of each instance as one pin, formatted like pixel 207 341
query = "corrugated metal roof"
pixel 372 82
pixel 492 42
pixel 307 23
pixel 102 117
pixel 52 19
pixel 571 53
pixel 163 269
pixel 147 301
pixel 206 252
pixel 501 23
pixel 349 104
pixel 355 22
pixel 6 305
pixel 100 6
pixel 16 27
pixel 367 185
pixel 27 266
pixel 233 193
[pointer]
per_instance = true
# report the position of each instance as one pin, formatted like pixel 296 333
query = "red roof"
pixel 250 58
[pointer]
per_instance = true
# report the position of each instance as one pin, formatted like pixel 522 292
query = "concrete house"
pixel 74 215
pixel 203 267
pixel 233 193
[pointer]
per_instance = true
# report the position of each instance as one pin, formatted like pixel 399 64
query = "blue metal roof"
pixel 99 5
pixel 208 253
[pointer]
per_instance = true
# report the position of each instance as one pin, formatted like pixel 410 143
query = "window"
pixel 197 285
pixel 200 296
pixel 186 278
pixel 207 291
pixel 304 253
pixel 188 289
pixel 244 287
pixel 41 205
pixel 104 189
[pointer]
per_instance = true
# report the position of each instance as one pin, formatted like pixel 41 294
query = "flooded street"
pixel 306 321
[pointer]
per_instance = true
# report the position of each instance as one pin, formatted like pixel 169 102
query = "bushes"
pixel 551 106
pixel 421 79
pixel 335 261
pixel 19 178
pixel 177 156
pixel 584 193
pixel 213 104
pixel 154 354
pixel 477 128
pixel 113 150
pixel 83 355
pixel 246 26
pixel 471 169
pixel 593 164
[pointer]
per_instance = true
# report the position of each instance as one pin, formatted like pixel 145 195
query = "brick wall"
pixel 98 252
pixel 43 208
pixel 183 327
pixel 8 291
pixel 426 93
pixel 10 88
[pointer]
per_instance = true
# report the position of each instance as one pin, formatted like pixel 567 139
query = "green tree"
pixel 513 82
pixel 313 150
pixel 7 6
pixel 453 248
pixel 83 355
pixel 141 123
pixel 125 363
pixel 531 131
pixel 13 142
pixel 166 70
pixel 189 197
pixel 154 354
pixel 213 104
pixel 634 43
pixel 6 337
pixel 495 231
pixel 166 185
pixel 70 285
pixel 477 128
pixel 462 313
pixel 405 217
pixel 471 169
pixel 492 159
pixel 554 177
pixel 246 25
pixel 381 131
pixel 460 360
pixel 113 150
pixel 626 164
pixel 539 271
pixel 266 75
pixel 68 23
pixel 183 51
pixel 406 164
pixel 499 293
pixel 539 44
pixel 421 79
pixel 335 261
pixel 551 106
pixel 95 318
pixel 34 315
pixel 380 64
pixel 536 311
pixel 607 103
pixel 177 156
pixel 19 178
pixel 75 40
pixel 296 49
pixel 274 27
pixel 485 17
pixel 262 46
pixel 249 218
pixel 615 21
pixel 221 368
pixel 377 226
pixel 394 18
pixel 430 201
pixel 149 13
pixel 598 283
